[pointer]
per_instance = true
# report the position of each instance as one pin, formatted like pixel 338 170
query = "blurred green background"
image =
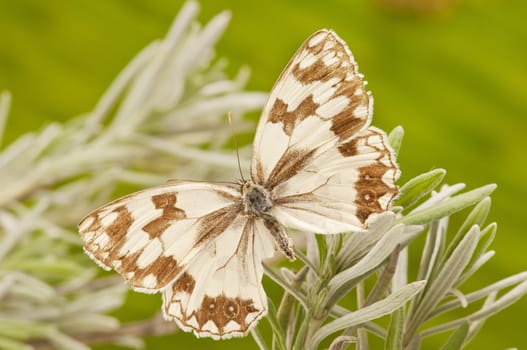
pixel 454 74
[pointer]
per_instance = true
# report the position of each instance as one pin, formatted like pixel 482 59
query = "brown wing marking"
pixel 166 202
pixel 289 119
pixel 291 162
pixel 371 186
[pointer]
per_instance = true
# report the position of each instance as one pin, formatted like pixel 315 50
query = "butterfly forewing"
pixel 326 168
pixel 319 99
pixel 150 236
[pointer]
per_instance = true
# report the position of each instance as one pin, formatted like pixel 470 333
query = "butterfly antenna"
pixel 236 146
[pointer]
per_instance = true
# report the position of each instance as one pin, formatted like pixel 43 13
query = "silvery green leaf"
pixel 443 282
pixel 487 237
pixel 286 309
pixel 88 322
pixel 62 341
pixel 285 285
pixel 362 339
pixel 370 312
pixel 287 274
pixel 27 287
pixel 341 341
pixel 313 255
pixel 502 302
pixel 11 344
pixel 302 332
pixel 415 343
pixel 258 338
pixel 278 332
pixel 487 310
pixel 435 242
pixel 340 284
pixel 107 299
pixel 477 216
pixel 476 326
pixel 459 296
pixel 384 281
pixel 357 244
pixel 400 278
pixel 456 339
pixel 475 266
pixel 418 187
pixel 482 293
pixel 394 340
pixel 23 329
pixel 448 206
pixel 395 138
pixel 130 342
pixel 445 192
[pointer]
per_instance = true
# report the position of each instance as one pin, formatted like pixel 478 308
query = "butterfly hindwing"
pixel 339 189
pixel 220 294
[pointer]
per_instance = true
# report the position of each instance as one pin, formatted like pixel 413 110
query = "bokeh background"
pixel 453 73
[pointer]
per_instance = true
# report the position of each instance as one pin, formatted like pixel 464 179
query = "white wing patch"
pixel 317 165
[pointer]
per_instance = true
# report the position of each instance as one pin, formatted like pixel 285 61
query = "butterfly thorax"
pixel 256 198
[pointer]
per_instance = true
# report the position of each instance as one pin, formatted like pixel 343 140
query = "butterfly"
pixel 317 166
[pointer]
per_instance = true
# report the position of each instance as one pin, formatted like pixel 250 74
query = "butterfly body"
pixel 317 166
pixel 258 203
pixel 257 199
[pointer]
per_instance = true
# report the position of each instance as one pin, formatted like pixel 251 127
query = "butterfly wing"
pixel 326 168
pixel 150 236
pixel 220 295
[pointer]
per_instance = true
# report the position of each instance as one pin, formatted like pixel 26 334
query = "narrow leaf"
pixel 448 206
pixel 455 341
pixel 6 343
pixel 373 311
pixel 477 216
pixel 62 341
pixel 258 338
pixel 486 238
pixel 476 326
pixel 278 332
pixel 340 283
pixel 418 187
pixel 444 281
pixel 280 281
pixel 394 340
pixel 395 138
pixel 341 341
pixel 482 293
